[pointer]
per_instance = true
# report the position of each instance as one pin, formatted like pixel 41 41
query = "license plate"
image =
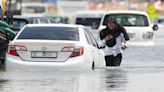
pixel 43 54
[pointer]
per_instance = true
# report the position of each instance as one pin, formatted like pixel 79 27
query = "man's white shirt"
pixel 116 49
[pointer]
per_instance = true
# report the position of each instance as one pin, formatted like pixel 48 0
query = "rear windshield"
pixel 128 19
pixel 50 33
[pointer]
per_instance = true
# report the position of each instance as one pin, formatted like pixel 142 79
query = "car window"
pixel 19 23
pixel 128 19
pixel 92 38
pixel 43 20
pixel 88 37
pixel 50 33
pixel 60 19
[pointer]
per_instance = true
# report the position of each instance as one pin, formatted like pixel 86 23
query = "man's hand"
pixel 108 37
pixel 123 46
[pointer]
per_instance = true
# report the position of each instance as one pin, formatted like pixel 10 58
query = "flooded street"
pixel 142 70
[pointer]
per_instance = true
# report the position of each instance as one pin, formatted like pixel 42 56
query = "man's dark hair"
pixel 111 20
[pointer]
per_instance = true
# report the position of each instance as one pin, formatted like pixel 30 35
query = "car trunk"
pixel 50 51
pixel 136 33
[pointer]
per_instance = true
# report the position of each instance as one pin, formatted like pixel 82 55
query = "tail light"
pixel 148 35
pixel 12 49
pixel 76 50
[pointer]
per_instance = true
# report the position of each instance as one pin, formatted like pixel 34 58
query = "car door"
pixel 98 53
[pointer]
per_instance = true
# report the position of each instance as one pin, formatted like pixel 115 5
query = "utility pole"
pixel 9 14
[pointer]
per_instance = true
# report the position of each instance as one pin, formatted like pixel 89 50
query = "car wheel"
pixel 93 66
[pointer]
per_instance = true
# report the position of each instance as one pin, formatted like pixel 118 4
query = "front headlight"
pixel 148 35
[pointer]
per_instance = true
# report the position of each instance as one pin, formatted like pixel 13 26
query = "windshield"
pixel 128 19
pixel 50 33
pixel 94 22
pixel 18 23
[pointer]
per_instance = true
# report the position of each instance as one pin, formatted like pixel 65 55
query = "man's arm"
pixel 102 41
pixel 102 34
pixel 124 32
pixel 125 43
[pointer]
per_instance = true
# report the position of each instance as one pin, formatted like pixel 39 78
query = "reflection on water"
pixel 116 79
pixel 49 81
pixel 93 81
pixel 2 83
pixel 103 81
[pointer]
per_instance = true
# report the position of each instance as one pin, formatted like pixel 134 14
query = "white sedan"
pixel 136 23
pixel 54 46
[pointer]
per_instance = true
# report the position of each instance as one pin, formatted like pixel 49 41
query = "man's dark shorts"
pixel 112 60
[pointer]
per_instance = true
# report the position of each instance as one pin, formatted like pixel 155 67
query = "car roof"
pixel 30 17
pixel 90 14
pixel 126 12
pixel 54 25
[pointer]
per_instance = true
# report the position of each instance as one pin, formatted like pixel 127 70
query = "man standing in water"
pixel 115 39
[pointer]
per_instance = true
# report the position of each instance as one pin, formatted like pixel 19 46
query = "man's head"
pixel 111 24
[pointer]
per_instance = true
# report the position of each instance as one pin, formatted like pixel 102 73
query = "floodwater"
pixel 142 70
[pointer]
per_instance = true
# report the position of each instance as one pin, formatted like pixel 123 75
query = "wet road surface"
pixel 142 70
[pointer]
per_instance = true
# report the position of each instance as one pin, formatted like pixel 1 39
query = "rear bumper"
pixel 71 64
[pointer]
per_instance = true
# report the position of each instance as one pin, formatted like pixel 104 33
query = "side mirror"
pixel 155 27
